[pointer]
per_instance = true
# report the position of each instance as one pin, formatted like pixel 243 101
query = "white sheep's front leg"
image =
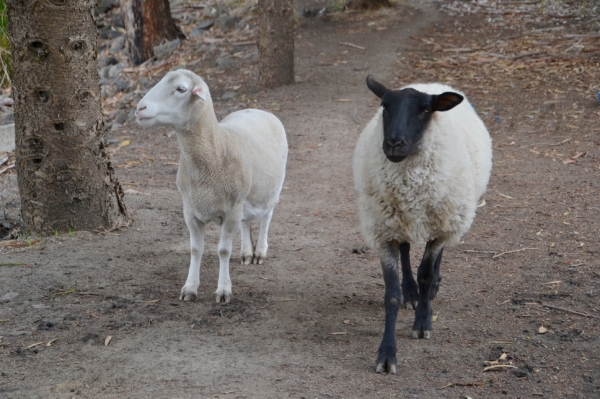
pixel 189 292
pixel 260 252
pixel 228 231
pixel 247 248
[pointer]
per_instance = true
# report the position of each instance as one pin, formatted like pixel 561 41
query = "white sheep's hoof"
pixel 259 257
pixel 246 258
pixel 258 260
pixel 410 305
pixel 188 294
pixel 223 295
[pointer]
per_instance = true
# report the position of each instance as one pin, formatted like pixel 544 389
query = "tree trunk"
pixel 65 177
pixel 148 23
pixel 276 42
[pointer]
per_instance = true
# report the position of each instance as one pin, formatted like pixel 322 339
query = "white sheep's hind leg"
pixel 247 248
pixel 189 292
pixel 260 252
pixel 228 231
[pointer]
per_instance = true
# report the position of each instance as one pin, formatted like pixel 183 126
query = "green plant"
pixel 5 55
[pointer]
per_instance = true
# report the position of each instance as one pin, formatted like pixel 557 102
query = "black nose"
pixel 397 145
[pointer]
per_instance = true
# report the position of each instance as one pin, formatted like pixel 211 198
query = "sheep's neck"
pixel 199 143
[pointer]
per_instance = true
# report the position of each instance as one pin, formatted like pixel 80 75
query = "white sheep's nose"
pixel 140 107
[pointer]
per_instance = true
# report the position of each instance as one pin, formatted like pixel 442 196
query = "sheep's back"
pixel 260 140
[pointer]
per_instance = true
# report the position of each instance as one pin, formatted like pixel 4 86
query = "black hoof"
pixel 435 286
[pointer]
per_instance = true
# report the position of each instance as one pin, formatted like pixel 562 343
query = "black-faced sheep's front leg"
pixel 426 277
pixel 410 290
pixel 393 300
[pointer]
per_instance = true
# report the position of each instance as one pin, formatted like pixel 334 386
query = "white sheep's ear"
pixel 200 92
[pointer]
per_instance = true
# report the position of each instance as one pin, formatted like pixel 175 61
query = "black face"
pixel 406 114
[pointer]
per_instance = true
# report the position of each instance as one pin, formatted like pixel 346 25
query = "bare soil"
pixel 97 315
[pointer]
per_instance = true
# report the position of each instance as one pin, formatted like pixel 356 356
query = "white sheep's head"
pixel 406 115
pixel 174 100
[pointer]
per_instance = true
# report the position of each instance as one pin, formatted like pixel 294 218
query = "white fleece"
pixel 432 194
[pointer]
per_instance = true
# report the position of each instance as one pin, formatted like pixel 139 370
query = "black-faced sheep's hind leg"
pixel 425 277
pixel 437 279
pixel 410 290
pixel 393 300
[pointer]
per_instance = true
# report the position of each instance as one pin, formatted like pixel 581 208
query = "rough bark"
pixel 276 42
pixel 64 173
pixel 148 23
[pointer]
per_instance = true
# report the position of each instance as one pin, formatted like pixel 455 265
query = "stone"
pixel 108 33
pixel 224 63
pixel 230 95
pixel 206 24
pixel 117 21
pixel 164 50
pixel 121 117
pixel 117 44
pixel 123 85
pixel 227 22
pixel 9 296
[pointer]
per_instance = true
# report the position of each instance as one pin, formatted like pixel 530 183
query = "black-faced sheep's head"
pixel 406 114
pixel 174 101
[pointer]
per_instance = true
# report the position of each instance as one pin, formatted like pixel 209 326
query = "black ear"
pixel 446 101
pixel 376 87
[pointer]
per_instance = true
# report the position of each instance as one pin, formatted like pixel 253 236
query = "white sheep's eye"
pixel 181 89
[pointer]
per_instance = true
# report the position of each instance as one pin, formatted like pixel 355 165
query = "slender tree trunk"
pixel 65 177
pixel 148 23
pixel 276 42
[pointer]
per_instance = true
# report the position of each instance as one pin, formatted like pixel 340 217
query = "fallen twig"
pixel 461 384
pixel 7 168
pixel 512 252
pixel 353 45
pixel 479 252
pixel 499 366
pixel 570 311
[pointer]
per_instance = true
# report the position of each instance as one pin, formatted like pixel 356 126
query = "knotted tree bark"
pixel 64 172
pixel 276 42
pixel 148 23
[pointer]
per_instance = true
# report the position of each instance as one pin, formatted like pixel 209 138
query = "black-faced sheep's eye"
pixel 181 89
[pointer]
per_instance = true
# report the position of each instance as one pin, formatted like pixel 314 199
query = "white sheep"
pixel 230 172
pixel 420 167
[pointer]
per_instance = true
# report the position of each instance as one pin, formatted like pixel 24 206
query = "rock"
pixel 9 297
pixel 117 21
pixel 108 91
pixel 105 5
pixel 117 44
pixel 107 61
pixel 206 24
pixel 163 50
pixel 146 83
pixel 241 24
pixel 227 22
pixel 230 95
pixel 121 117
pixel 108 33
pixel 251 56
pixel 123 85
pixel 115 70
pixel 224 63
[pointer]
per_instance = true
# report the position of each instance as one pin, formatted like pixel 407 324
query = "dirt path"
pixel 307 323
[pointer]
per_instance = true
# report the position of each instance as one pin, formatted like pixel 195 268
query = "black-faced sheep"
pixel 420 167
